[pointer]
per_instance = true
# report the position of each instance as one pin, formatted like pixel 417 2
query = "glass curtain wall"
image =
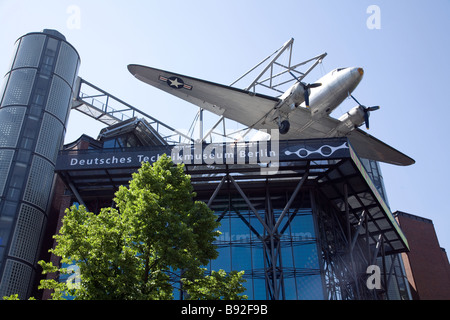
pixel 283 267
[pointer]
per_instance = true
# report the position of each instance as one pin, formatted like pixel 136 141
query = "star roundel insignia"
pixel 175 82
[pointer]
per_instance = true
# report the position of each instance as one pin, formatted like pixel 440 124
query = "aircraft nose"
pixel 352 78
pixel 357 73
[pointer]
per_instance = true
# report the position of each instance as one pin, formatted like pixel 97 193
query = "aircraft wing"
pixel 365 145
pixel 243 106
pixel 369 147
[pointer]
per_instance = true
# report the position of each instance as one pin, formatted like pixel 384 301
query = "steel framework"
pixel 353 227
pixel 272 75
pixel 108 109
pixel 349 236
pixel 345 254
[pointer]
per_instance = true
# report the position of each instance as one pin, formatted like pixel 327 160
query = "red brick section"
pixel 426 264
pixel 65 202
pixel 60 203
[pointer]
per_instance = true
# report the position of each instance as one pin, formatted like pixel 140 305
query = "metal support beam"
pixel 216 191
pixel 292 198
pixel 271 245
pixel 383 261
pixel 347 213
pixel 76 193
pixel 358 229
pixel 391 270
pixel 258 216
pixel 280 51
pixel 110 110
pixel 377 248
pixel 222 118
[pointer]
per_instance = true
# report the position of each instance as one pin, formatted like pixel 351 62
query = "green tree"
pixel 154 242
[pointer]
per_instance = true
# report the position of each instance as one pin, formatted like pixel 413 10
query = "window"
pixel 241 247
pixel 49 57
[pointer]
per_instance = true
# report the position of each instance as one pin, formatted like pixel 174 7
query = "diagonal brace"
pixel 358 228
pixel 258 216
pixel 216 191
pixel 288 205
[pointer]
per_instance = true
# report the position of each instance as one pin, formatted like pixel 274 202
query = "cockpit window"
pixel 337 70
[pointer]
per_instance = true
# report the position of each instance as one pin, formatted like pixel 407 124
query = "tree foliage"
pixel 154 242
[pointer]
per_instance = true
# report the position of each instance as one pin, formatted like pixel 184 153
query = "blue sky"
pixel 406 65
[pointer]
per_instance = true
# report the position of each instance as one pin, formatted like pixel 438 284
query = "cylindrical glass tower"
pixel 35 104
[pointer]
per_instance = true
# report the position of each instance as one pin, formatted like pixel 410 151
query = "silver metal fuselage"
pixel 336 87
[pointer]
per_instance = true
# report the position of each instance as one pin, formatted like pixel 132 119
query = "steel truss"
pixel 274 227
pixel 273 74
pixel 110 110
pixel 345 249
pixel 345 254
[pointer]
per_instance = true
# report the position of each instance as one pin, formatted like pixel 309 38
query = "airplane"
pixel 302 112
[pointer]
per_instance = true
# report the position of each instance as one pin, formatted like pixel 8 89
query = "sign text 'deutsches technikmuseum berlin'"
pixel 259 152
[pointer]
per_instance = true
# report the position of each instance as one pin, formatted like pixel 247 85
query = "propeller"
pixel 306 87
pixel 366 111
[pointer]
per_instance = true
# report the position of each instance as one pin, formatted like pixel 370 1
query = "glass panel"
pixel 259 286
pixel 30 50
pixel 48 60
pixel 11 119
pixel 256 225
pixel 13 194
pixel 2 90
pixel 23 156
pixel 223 261
pixel 290 288
pixel 40 92
pixel 5 229
pixel 5 163
pixel 240 232
pixel 67 63
pixel 310 288
pixel 9 209
pixel 109 144
pixel 258 259
pixel 59 99
pixel 19 275
pixel 18 175
pixel 241 259
pixel 13 55
pixel 50 136
pixel 19 87
pixel 39 183
pixel 27 233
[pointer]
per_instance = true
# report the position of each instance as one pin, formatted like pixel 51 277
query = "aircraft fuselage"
pixel 336 87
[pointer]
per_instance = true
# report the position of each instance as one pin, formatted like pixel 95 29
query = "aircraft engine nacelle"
pixel 298 95
pixel 352 119
pixel 292 98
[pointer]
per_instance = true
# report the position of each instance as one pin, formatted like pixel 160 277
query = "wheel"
pixel 284 126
